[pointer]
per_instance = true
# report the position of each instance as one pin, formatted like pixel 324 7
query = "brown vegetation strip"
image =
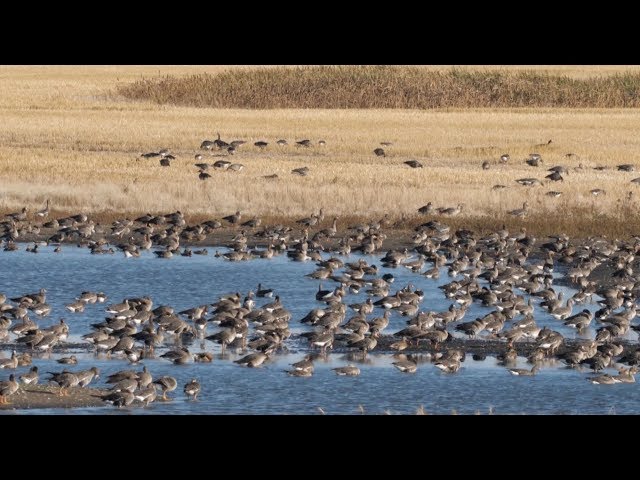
pixel 403 87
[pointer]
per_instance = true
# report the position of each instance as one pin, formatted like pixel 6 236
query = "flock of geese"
pixel 509 272
pixel 229 148
pixel 554 174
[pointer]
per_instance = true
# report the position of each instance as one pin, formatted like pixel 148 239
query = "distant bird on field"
pixel 379 152
pixel 413 163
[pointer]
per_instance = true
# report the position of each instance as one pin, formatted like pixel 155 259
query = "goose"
pixel 347 370
pixel 305 364
pixel 626 375
pixel 220 143
pixel 379 152
pixel 146 395
pixel 323 340
pixel 413 163
pixel 178 357
pixel 72 360
pixel 223 337
pixel 626 168
pixel 302 171
pixel 263 292
pixel 406 366
pixel 504 158
pixel 119 399
pixel 524 372
pixel 167 384
pixel 44 212
pixel 11 363
pixel 86 376
pixel 562 313
pixel 303 143
pixel 65 380
pixel 605 379
pixel 31 377
pixel 427 209
pixel 520 212
pixel 451 211
pixel 203 357
pixel 261 144
pixel 252 360
pixel 555 177
pixel 192 389
pixel 234 218
pixel 282 142
pixel 221 164
pixel 529 182
pixel 235 167
pixel 8 388
pixel 486 165
pixel 76 307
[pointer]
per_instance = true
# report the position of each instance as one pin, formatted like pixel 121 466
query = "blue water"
pixel 227 388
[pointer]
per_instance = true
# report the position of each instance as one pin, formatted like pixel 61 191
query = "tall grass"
pixel 360 87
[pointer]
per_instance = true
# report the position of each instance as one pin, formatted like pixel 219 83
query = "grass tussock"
pixel 378 87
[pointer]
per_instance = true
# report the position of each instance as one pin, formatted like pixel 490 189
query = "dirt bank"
pixel 43 396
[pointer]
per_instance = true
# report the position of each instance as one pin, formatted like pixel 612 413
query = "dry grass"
pixel 358 87
pixel 62 138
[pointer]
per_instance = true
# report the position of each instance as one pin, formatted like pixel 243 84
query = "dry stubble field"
pixel 64 138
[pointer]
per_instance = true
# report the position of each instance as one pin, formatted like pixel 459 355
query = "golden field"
pixel 64 137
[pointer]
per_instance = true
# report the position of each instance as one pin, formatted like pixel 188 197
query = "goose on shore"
pixel 8 388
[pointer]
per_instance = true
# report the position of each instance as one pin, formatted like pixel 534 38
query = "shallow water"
pixel 228 388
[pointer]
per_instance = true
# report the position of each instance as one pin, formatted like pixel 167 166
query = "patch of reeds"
pixel 384 86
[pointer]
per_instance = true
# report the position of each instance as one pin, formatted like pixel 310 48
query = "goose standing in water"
pixel 524 372
pixel 167 384
pixel 263 292
pixel 192 389
pixel 347 370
